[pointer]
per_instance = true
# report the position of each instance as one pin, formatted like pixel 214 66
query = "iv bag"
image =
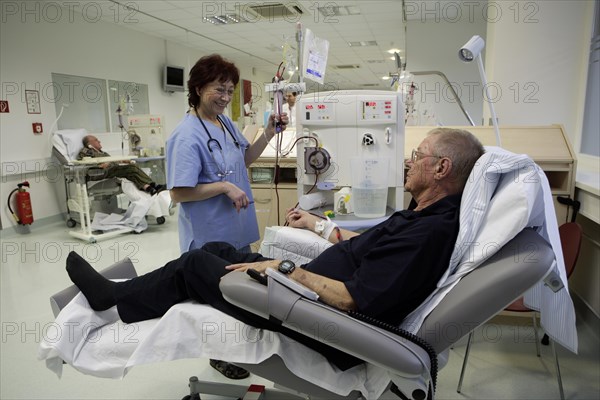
pixel 314 58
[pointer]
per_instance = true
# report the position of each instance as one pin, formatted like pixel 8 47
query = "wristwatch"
pixel 286 267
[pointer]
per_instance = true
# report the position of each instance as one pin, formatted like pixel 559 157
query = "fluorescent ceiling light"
pixel 338 11
pixel 363 43
pixel 225 19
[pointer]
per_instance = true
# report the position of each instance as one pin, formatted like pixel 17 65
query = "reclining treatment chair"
pixel 408 363
pixel 89 184
pixel 395 361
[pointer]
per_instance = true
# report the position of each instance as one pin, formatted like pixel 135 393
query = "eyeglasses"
pixel 221 91
pixel 417 155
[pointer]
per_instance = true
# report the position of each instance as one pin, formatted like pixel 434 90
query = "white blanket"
pixel 140 205
pixel 99 344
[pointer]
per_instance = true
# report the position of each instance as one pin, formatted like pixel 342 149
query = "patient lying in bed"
pixel 384 273
pixel 92 147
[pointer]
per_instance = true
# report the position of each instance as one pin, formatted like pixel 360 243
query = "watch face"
pixel 286 266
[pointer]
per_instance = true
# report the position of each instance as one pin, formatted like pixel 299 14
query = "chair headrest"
pixel 69 142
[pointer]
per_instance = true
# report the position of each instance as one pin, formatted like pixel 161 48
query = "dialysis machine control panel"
pixel 337 126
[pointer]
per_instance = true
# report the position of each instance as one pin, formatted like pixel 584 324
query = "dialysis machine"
pixel 145 134
pixel 336 126
pixel 146 140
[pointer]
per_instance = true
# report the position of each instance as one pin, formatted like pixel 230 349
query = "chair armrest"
pixel 124 269
pixel 326 324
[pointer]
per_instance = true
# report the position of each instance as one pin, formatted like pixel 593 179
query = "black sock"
pixel 99 291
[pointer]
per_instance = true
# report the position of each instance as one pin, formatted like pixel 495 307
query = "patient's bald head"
pixel 91 141
pixel 462 147
pixel 441 164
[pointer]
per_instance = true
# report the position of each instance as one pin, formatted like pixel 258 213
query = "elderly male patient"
pixel 92 147
pixel 385 272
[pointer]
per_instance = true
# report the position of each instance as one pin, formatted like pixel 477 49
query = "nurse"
pixel 207 158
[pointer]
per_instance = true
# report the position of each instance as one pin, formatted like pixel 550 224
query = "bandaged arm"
pixel 322 227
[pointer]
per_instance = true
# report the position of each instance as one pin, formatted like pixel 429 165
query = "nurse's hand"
pixel 238 196
pixel 276 121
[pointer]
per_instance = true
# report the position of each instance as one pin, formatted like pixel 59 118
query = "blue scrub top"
pixel 189 162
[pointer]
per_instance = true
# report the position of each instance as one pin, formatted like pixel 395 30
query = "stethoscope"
pixel 214 143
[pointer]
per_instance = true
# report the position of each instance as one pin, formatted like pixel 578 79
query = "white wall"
pixel 433 45
pixel 545 52
pixel 31 51
pixel 538 58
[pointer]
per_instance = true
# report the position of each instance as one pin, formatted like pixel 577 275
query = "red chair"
pixel 570 239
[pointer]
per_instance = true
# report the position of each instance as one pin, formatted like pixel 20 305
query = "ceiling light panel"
pixel 363 43
pixel 225 19
pixel 332 10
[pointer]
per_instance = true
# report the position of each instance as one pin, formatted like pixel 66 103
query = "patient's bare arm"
pixel 330 291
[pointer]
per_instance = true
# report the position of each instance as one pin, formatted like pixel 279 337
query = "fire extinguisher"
pixel 24 214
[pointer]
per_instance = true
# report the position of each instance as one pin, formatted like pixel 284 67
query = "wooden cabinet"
pixel 548 146
pixel 271 200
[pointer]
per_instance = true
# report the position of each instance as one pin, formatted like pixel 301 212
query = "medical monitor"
pixel 173 79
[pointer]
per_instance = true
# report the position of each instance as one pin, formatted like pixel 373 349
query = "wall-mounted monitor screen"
pixel 173 79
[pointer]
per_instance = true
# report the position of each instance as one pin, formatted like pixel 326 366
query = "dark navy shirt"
pixel 391 268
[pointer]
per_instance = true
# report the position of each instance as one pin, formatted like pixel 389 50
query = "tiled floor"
pixel 503 364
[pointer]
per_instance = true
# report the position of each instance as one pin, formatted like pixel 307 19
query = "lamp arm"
pixel 458 101
pixel 487 98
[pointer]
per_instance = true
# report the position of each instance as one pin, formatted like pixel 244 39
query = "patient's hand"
pixel 301 219
pixel 260 266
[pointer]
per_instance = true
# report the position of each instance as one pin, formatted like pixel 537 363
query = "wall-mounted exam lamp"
pixel 470 51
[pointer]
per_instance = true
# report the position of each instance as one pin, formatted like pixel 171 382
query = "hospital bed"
pixel 85 183
pixel 490 268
